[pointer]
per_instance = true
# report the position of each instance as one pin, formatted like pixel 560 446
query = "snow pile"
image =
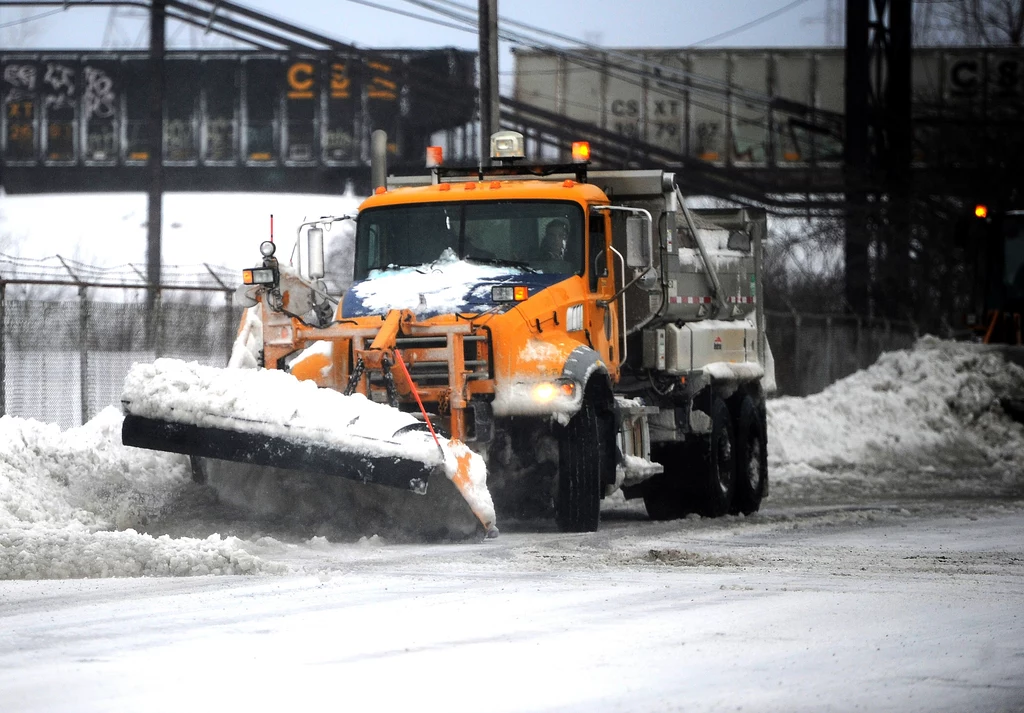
pixel 61 494
pixel 272 403
pixel 935 407
pixel 440 286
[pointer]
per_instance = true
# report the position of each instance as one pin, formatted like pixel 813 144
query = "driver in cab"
pixel 553 247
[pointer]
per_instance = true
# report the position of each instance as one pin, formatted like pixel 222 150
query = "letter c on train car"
pixel 964 76
pixel 300 81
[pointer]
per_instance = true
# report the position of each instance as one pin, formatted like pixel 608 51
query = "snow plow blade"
pixel 276 451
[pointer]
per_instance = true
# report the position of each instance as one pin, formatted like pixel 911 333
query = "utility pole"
pixel 877 152
pixel 155 130
pixel 857 162
pixel 489 106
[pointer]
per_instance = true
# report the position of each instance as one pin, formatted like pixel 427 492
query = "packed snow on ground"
pixel 76 503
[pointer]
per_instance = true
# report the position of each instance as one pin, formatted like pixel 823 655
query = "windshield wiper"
pixel 501 262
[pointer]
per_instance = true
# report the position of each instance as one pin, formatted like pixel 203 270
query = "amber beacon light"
pixel 580 151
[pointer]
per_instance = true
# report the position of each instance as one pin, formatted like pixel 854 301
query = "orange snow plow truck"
pixel 584 331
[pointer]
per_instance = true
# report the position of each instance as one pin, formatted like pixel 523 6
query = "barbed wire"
pixel 62 270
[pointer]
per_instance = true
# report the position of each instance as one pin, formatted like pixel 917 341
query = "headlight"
pixel 509 293
pixel 267 248
pixel 259 276
pixel 547 391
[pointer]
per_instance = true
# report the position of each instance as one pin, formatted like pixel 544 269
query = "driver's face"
pixel 555 239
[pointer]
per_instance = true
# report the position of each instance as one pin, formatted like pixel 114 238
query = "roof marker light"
pixel 435 156
pixel 580 151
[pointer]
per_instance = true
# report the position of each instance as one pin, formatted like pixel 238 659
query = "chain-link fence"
pixel 813 351
pixel 63 361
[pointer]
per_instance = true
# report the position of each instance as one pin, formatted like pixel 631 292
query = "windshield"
pixel 538 236
pixel 1013 234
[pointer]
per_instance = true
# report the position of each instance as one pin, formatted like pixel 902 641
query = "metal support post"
pixel 489 106
pixel 83 353
pixel 856 158
pixel 155 130
pixel 3 349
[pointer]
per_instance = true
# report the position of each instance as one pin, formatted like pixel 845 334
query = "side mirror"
pixel 315 243
pixel 636 243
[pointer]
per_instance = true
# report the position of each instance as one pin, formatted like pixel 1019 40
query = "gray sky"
pixel 613 23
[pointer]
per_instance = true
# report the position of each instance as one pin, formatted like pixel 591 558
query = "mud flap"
pixel 290 454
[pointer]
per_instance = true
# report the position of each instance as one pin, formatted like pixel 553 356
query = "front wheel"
pixel 580 450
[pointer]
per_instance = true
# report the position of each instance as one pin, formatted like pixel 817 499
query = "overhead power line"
pixel 748 25
pixel 413 15
pixel 682 80
pixel 31 18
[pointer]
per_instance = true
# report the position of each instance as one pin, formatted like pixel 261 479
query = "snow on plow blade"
pixel 268 417
pixel 280 452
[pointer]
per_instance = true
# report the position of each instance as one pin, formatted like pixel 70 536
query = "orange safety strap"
pixel 416 395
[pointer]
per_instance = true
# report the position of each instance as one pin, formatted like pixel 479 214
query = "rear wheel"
pixel 715 464
pixel 580 454
pixel 664 498
pixel 751 458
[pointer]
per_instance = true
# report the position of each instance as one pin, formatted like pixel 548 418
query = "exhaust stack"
pixel 379 159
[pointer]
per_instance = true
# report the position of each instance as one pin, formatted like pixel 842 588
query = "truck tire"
pixel 664 498
pixel 751 458
pixel 715 471
pixel 580 452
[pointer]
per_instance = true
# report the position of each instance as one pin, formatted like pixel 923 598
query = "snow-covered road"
pixel 866 608
pixel 885 572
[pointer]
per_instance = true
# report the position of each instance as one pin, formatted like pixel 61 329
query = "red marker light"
pixel 435 156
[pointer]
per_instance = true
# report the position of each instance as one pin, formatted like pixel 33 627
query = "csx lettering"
pixel 339 81
pixel 666 108
pixel 626 107
pixel 380 87
pixel 964 76
pixel 1007 77
pixel 300 81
